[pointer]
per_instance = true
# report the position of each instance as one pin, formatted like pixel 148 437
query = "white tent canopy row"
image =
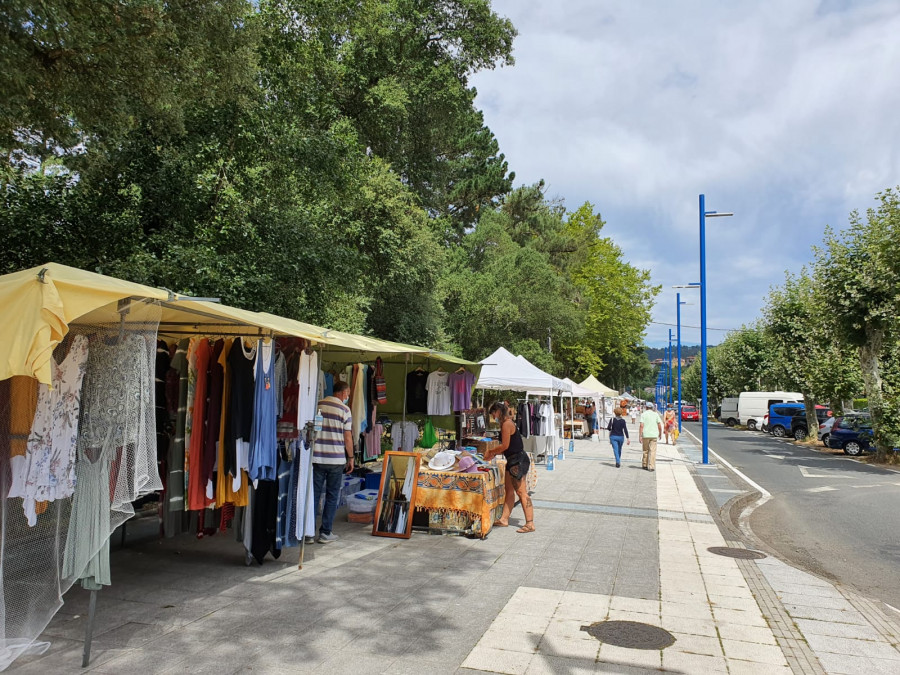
pixel 501 371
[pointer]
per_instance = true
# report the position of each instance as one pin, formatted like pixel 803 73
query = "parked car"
pixel 825 430
pixel 852 434
pixel 799 427
pixel 780 416
pixel 754 405
pixel 690 413
pixel 728 412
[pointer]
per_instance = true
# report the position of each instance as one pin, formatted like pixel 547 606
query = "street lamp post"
pixel 678 304
pixel 669 370
pixel 704 403
pixel 678 340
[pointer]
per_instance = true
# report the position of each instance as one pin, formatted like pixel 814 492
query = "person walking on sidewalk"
pixel 517 465
pixel 649 431
pixel 332 456
pixel 669 425
pixel 634 411
pixel 618 432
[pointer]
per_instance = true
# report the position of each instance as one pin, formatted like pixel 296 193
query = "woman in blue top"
pixel 618 432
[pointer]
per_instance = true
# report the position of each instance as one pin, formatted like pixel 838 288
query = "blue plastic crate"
pixel 373 481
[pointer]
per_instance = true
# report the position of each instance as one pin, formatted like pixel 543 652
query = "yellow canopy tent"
pixel 39 304
pixel 594 384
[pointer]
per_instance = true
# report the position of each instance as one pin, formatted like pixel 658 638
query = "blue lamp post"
pixel 704 403
pixel 669 371
pixel 678 304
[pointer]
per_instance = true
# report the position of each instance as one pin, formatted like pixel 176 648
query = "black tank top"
pixel 515 445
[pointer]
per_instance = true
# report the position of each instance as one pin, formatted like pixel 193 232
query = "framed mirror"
pixel 397 495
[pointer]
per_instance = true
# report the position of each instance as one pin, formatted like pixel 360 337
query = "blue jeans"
pixel 327 478
pixel 617 442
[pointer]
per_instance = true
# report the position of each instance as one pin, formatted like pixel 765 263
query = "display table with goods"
pixel 579 427
pixel 460 493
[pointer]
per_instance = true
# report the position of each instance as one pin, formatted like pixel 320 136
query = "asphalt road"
pixel 829 514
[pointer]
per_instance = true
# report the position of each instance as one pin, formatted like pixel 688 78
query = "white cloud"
pixel 784 112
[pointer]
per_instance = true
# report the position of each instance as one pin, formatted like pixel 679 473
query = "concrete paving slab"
pixel 762 654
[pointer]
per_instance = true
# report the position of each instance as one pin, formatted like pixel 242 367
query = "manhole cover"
pixel 631 634
pixel 742 553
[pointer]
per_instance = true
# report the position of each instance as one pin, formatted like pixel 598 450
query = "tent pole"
pixel 405 384
pixel 89 632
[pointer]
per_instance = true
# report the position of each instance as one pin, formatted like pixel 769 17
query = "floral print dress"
pixel 48 470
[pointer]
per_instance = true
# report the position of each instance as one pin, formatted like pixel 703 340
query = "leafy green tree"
pixel 616 298
pixel 716 390
pixel 75 73
pixel 747 361
pixel 498 292
pixel 860 273
pixel 806 348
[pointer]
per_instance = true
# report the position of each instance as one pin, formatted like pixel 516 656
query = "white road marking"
pixel 824 488
pixel 745 478
pixel 806 472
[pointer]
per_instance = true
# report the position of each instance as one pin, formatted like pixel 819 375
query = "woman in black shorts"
pixel 517 465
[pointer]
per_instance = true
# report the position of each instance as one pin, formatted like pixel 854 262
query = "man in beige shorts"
pixel 648 434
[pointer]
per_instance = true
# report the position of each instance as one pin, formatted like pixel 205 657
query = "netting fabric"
pixel 74 457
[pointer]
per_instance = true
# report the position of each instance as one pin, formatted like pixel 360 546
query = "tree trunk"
pixel 812 422
pixel 871 372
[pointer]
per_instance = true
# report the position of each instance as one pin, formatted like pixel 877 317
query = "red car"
pixel 689 414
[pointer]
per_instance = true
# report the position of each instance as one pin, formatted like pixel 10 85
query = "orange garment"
pixel 224 486
pixel 23 393
pixel 196 497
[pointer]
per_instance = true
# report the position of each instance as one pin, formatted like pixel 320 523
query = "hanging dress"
pixel 240 406
pixel 263 459
pixel 48 470
pixel 225 493
pixel 173 522
pixel 196 481
pixel 309 388
pixel 116 453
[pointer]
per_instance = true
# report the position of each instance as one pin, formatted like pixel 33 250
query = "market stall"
pixel 578 424
pixel 117 397
pixel 536 416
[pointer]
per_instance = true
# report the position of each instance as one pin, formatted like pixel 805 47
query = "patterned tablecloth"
pixel 465 502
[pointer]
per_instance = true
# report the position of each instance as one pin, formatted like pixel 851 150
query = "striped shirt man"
pixel 336 419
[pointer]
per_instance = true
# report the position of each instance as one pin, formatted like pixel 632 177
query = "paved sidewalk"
pixel 611 545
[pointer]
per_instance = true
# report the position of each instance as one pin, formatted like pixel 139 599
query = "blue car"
pixel 789 419
pixel 852 434
pixel 780 415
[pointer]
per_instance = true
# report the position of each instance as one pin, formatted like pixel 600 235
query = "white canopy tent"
pixel 502 371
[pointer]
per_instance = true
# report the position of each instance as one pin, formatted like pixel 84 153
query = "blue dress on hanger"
pixel 263 435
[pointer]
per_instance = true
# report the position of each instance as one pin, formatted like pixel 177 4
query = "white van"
pixel 754 405
pixel 728 411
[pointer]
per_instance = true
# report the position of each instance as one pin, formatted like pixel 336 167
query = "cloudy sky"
pixel 786 112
